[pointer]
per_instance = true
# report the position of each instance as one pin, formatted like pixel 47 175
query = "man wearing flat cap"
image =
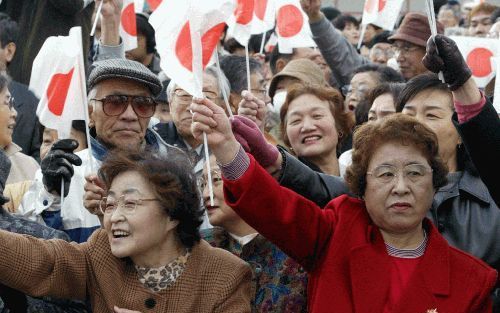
pixel 121 103
pixel 409 43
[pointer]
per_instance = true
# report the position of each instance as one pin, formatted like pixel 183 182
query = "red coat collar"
pixel 370 268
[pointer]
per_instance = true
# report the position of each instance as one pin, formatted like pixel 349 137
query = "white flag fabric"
pixel 139 6
pixel 128 25
pixel 187 33
pixel 241 21
pixel 478 52
pixel 383 13
pixel 292 26
pixel 264 16
pixel 58 79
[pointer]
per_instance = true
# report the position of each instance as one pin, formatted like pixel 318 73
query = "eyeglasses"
pixel 348 90
pixel 114 105
pixel 185 98
pixel 108 205
pixel 386 173
pixel 260 93
pixel 9 102
pixel 378 52
pixel 405 50
pixel 216 178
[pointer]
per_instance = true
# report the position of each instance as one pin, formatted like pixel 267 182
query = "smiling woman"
pixel 23 166
pixel 147 256
pixel 314 124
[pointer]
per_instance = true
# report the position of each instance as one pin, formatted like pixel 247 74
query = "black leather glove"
pixel 58 164
pixel 449 60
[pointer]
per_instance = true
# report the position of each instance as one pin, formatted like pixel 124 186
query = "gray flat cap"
pixel 126 69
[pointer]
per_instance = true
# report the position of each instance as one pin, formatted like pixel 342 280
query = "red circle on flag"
pixel 184 50
pixel 244 11
pixel 289 21
pixel 57 91
pixel 128 20
pixel 153 4
pixel 260 9
pixel 479 62
pixel 370 5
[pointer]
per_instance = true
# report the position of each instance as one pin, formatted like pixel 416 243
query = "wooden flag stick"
pixel 431 16
pixel 96 18
pixel 249 85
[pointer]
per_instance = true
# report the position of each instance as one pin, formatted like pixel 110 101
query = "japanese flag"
pixel 271 43
pixel 264 16
pixel 383 13
pixel 187 33
pixel 240 22
pixel 128 25
pixel 292 26
pixel 58 79
pixel 478 52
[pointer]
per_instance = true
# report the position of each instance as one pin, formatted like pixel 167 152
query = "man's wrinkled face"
pixel 127 130
pixel 409 58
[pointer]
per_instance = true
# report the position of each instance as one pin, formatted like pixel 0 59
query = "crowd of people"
pixel 358 175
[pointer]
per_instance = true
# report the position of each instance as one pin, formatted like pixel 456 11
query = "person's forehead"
pixel 404 43
pixel 210 82
pixel 479 16
pixel 364 78
pixel 307 103
pixel 431 99
pixel 302 52
pixel 382 46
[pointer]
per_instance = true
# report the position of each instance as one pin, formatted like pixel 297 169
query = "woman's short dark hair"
pixel 393 89
pixel 4 81
pixel 343 120
pixel 398 128
pixel 340 22
pixel 172 180
pixel 145 29
pixel 417 84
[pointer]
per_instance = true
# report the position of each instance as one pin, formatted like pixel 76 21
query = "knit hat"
pixel 304 70
pixel 415 29
pixel 4 173
pixel 125 69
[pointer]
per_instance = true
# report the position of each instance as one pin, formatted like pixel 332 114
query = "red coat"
pixel 346 257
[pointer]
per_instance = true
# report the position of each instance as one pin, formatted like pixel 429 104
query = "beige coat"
pixel 214 280
pixel 23 167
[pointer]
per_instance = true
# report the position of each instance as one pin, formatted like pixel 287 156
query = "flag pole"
pixel 431 16
pixel 197 65
pixel 62 192
pixel 249 85
pixel 262 43
pixel 96 18
pixel 223 90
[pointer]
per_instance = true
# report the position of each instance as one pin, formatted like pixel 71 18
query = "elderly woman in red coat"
pixel 374 253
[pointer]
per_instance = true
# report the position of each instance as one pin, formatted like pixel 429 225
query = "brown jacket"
pixel 213 281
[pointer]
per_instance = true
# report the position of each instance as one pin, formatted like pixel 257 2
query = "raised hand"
pixel 443 55
pixel 312 9
pixel 252 140
pixel 94 192
pixel 110 22
pixel 253 108
pixel 211 119
pixel 58 165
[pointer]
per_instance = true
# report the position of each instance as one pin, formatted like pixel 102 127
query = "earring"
pixel 341 134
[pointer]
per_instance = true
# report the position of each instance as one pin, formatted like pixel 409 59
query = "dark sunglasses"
pixel 114 105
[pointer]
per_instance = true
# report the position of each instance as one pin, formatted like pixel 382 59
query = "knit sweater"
pixel 213 281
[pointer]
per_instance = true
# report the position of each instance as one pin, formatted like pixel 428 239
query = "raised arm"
pixel 340 55
pixel 295 224
pixel 110 46
pixel 40 267
pixel 475 119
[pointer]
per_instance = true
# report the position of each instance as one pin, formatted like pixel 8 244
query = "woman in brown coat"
pixel 148 257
